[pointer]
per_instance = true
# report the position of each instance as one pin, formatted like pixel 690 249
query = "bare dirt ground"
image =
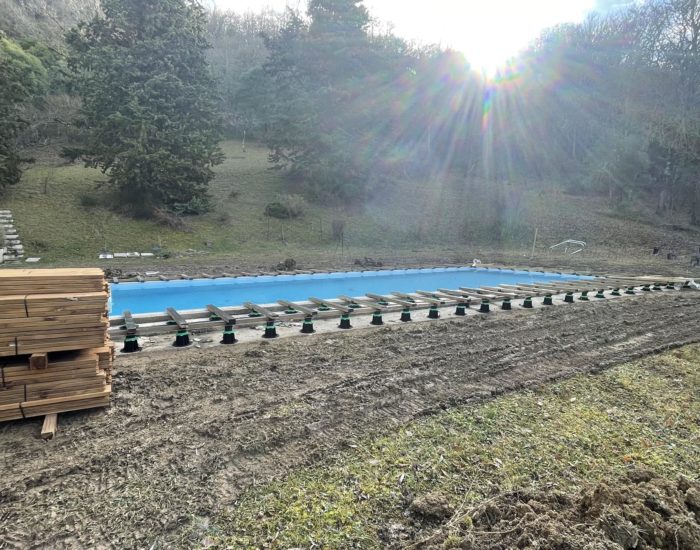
pixel 190 430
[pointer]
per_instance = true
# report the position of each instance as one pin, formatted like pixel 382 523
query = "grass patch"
pixel 564 435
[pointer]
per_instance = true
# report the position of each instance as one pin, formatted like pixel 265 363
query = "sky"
pixel 488 32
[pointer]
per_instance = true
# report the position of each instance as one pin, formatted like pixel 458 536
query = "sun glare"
pixel 489 33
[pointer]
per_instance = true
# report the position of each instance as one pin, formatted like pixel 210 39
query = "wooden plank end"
pixel 48 430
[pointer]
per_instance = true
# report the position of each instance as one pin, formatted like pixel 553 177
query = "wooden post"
pixel 534 242
pixel 50 426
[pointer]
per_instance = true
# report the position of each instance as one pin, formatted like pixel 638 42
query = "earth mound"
pixel 640 510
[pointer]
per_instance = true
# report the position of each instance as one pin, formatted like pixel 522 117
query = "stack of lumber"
pixel 55 354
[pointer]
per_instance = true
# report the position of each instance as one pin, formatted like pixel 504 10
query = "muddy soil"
pixel 639 510
pixel 190 430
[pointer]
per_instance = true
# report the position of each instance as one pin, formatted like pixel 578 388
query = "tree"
pixel 149 115
pixel 237 55
pixel 22 79
pixel 328 87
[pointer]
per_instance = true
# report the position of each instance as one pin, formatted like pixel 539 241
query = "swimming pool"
pixel 196 294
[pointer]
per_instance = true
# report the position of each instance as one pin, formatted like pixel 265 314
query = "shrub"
pixel 199 204
pixel 170 220
pixel 286 206
pixel 88 201
pixel 276 210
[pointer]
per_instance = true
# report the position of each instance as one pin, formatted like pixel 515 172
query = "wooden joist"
pixel 305 310
pixel 408 298
pixel 533 290
pixel 50 425
pixel 36 305
pixel 221 314
pixel 131 325
pixel 362 302
pixel 467 295
pixel 393 299
pixel 500 292
pixel 479 292
pixel 441 298
pixel 330 304
pixel 176 318
pixel 261 310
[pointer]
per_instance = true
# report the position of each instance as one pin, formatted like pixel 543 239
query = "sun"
pixel 488 33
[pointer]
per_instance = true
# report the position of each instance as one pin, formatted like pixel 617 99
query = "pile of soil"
pixel 639 510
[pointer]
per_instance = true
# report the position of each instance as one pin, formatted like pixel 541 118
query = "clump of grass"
pixel 564 435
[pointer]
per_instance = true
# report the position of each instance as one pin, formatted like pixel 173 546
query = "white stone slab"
pixel 32 260
pixel 132 254
pixel 120 255
pixel 147 254
pixel 106 256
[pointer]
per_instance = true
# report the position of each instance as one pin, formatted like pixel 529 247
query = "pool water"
pixel 196 294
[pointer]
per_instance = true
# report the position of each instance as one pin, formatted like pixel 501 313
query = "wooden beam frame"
pixel 227 318
pixel 131 325
pixel 179 319
pixel 393 299
pixel 332 305
pixel 262 310
pixel 303 309
pixel 361 301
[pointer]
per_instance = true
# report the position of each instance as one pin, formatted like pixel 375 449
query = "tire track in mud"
pixel 190 430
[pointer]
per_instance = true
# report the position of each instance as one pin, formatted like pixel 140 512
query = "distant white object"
pixel 475 262
pixel 32 260
pixel 132 254
pixel 120 255
pixel 693 284
pixel 152 273
pixel 106 256
pixel 147 254
pixel 577 246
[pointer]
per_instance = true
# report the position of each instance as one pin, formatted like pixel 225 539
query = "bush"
pixel 170 220
pixel 88 201
pixel 286 206
pixel 199 204
pixel 276 210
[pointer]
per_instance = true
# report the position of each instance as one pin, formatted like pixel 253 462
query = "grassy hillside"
pixel 54 207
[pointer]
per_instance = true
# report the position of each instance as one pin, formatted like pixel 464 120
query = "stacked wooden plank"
pixel 55 355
